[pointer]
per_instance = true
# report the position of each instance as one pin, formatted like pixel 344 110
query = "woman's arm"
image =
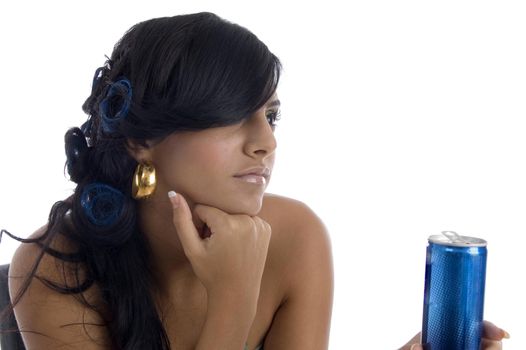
pixel 303 320
pixel 230 264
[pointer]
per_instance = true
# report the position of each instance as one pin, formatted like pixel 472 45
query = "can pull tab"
pixel 453 237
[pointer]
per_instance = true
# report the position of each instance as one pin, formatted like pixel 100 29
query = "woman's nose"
pixel 260 139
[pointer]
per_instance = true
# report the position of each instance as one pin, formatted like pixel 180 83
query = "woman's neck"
pixel 155 222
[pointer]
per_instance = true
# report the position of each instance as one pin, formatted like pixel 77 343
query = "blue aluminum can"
pixel 454 292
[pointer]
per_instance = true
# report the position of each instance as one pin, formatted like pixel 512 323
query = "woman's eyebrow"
pixel 274 103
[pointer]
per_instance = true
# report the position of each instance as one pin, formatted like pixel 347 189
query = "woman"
pixel 169 240
pixel 191 99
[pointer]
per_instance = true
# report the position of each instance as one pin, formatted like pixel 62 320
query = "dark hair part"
pixel 188 72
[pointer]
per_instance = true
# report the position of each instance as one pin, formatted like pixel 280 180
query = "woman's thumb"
pixel 417 347
pixel 182 220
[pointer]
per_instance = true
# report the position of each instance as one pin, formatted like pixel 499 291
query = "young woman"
pixel 185 104
pixel 169 240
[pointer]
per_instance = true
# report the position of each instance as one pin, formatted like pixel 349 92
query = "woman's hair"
pixel 188 72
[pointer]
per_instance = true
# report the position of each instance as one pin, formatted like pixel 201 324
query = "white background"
pixel 400 119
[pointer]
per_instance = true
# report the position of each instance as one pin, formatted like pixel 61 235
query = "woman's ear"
pixel 141 151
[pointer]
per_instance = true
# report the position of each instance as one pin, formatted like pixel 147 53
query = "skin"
pixel 265 274
pixel 491 338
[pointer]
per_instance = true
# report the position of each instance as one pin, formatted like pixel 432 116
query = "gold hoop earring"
pixel 144 181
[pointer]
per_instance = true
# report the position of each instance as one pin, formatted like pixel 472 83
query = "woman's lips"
pixel 258 175
pixel 254 179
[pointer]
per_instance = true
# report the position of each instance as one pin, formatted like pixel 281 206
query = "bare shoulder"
pixel 293 218
pixel 300 254
pixel 30 259
pixel 27 254
pixel 47 318
pixel 300 239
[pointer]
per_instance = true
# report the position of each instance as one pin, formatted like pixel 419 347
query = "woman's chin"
pixel 241 206
pixel 249 208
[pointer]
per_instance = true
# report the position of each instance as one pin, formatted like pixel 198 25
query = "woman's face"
pixel 203 165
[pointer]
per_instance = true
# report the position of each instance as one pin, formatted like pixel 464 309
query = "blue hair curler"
pixel 115 104
pixel 102 204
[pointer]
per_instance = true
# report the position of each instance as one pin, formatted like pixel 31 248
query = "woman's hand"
pixel 233 258
pixel 491 338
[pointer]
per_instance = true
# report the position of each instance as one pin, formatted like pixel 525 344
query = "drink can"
pixel 454 292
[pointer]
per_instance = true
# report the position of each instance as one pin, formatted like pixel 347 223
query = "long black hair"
pixel 187 72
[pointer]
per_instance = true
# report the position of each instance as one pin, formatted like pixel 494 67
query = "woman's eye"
pixel 273 117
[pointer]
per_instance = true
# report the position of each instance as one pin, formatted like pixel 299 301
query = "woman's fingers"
pixel 184 225
pixel 413 344
pixel 234 256
pixel 488 344
pixel 492 332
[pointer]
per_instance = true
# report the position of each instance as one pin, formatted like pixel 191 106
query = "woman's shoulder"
pixel 44 313
pixel 298 233
pixel 278 207
pixel 26 257
pixel 300 271
pixel 31 259
pixel 44 269
pixel 293 215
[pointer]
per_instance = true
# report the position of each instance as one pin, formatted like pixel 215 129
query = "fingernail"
pixel 173 198
pixel 416 347
pixel 505 335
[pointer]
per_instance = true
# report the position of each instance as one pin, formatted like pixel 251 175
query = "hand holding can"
pixel 454 292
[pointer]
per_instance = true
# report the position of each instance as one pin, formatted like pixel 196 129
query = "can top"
pixel 451 238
